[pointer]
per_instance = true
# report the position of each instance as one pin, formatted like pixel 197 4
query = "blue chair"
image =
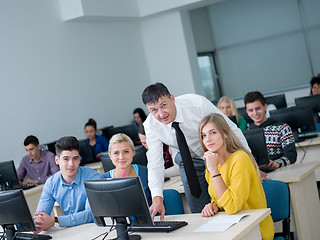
pixel 172 202
pixel 278 200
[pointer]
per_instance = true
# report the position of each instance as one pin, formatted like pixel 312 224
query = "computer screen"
pixel 233 118
pixel 128 130
pixel 312 102
pixel 8 175
pixel 278 100
pixel 257 143
pixel 85 153
pixel 121 199
pixel 243 113
pixel 14 213
pixel 299 119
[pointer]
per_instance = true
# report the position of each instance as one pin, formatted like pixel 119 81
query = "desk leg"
pixel 306 207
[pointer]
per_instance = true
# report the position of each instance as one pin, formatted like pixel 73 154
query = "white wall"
pixel 55 75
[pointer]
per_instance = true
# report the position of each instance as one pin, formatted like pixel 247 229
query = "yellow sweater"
pixel 244 190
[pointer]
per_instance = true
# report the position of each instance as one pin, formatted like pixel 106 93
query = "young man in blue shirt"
pixel 66 188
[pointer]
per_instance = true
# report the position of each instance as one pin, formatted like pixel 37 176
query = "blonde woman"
pixel 121 152
pixel 228 107
pixel 231 172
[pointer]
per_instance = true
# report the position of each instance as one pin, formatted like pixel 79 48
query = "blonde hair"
pixel 119 138
pixel 232 142
pixel 229 100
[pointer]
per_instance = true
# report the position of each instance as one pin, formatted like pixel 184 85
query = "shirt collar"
pixel 40 160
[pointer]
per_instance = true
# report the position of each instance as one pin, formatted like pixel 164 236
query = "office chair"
pixel 172 202
pixel 278 199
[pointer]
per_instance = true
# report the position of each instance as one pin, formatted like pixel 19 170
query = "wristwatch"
pixel 56 222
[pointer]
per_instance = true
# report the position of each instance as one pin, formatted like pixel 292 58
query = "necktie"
pixel 187 162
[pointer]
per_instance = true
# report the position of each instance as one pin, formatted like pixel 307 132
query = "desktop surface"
pixel 240 230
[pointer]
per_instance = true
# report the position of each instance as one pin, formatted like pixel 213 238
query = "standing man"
pixel 67 189
pixel 170 119
pixel 36 165
pixel 279 137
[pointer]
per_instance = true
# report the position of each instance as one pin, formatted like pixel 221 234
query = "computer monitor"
pixel 14 213
pixel 278 100
pixel 233 118
pixel 85 153
pixel 243 113
pixel 128 130
pixel 312 102
pixel 299 119
pixel 8 175
pixel 121 199
pixel 257 143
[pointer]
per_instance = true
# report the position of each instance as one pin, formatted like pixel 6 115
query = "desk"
pixel 96 166
pixel 246 229
pixel 304 197
pixel 32 196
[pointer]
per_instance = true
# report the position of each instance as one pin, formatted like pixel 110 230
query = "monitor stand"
pixel 122 232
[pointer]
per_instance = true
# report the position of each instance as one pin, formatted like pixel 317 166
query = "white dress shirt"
pixel 191 108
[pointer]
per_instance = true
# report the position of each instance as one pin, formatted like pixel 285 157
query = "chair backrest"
pixel 172 202
pixel 278 199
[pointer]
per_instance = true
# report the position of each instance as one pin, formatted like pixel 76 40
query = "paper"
pixel 220 223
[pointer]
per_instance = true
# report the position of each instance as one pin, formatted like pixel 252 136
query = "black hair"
pixel 91 122
pixel 31 140
pixel 251 97
pixel 141 113
pixel 153 92
pixel 314 80
pixel 141 129
pixel 68 143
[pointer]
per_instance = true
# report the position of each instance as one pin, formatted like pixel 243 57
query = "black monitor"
pixel 8 175
pixel 85 153
pixel 311 102
pixel 128 130
pixel 299 119
pixel 243 113
pixel 14 213
pixel 233 118
pixel 121 199
pixel 257 143
pixel 278 100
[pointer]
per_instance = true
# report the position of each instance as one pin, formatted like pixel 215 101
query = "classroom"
pixel 64 62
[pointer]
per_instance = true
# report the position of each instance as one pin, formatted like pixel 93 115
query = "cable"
pixel 305 151
pixel 105 233
pixel 128 229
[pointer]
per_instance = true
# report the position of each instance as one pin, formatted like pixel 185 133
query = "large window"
pixel 210 79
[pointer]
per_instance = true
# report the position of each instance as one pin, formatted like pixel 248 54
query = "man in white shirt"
pixel 187 110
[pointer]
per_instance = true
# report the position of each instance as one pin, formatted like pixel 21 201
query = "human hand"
pixel 264 175
pixel 42 221
pixel 157 206
pixel 98 156
pixel 274 164
pixel 211 162
pixel 30 181
pixel 209 210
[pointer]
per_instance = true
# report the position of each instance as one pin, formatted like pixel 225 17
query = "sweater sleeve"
pixel 238 191
pixel 288 146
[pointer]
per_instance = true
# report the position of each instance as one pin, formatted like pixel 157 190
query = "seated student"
pixel 66 188
pixel 37 165
pixel 231 172
pixel 121 152
pixel 315 85
pixel 228 107
pixel 139 117
pixel 279 136
pixel 171 169
pixel 96 143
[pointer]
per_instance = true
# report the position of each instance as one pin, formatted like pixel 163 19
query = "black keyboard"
pixel 160 226
pixel 28 236
pixel 24 187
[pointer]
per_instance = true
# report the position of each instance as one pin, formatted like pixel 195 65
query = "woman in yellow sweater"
pixel 231 172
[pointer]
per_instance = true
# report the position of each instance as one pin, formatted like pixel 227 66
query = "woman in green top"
pixel 228 107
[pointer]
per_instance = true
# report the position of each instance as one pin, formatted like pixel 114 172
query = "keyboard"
pixel 28 236
pixel 267 169
pixel 160 226
pixel 23 187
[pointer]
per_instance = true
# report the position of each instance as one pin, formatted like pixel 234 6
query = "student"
pixel 231 172
pixel 315 85
pixel 139 117
pixel 184 112
pixel 121 152
pixel 171 169
pixel 279 136
pixel 66 188
pixel 96 143
pixel 228 107
pixel 37 165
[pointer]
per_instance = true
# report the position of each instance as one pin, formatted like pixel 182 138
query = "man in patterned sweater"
pixel 279 137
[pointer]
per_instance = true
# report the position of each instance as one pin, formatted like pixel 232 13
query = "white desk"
pixel 304 197
pixel 96 166
pixel 246 229
pixel 32 196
